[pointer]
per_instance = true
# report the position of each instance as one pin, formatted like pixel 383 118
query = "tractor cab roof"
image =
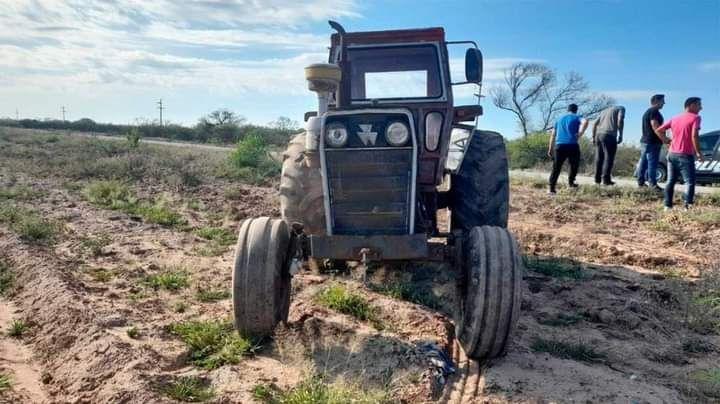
pixel 436 34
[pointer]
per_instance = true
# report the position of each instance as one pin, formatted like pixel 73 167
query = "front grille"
pixel 369 190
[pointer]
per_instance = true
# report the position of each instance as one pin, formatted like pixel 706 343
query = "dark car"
pixel 708 171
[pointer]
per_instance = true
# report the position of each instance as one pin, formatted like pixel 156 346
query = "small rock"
pixel 631 321
pixel 535 287
pixel 633 305
pixel 113 320
pixel 526 304
pixel 606 316
pixel 115 217
pixel 634 287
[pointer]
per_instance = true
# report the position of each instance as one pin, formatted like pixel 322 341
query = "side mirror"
pixel 473 65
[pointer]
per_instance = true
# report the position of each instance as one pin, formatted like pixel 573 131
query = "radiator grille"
pixel 369 190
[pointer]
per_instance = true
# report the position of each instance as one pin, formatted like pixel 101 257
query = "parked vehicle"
pixel 362 182
pixel 708 172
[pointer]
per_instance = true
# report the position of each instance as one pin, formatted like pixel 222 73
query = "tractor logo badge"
pixel 366 135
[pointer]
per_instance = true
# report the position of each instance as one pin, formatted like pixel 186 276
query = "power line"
pixel 160 107
pixel 63 112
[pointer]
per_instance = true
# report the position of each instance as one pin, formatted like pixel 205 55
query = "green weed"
pixel 171 279
pixel 188 389
pixel 579 351
pixel 555 267
pixel 28 224
pixel 707 381
pixel 219 239
pixel 160 213
pixel 213 343
pixel 133 333
pixel 561 320
pixel 94 245
pixel 115 195
pixel 212 295
pixel 409 292
pixel 341 299
pixel 17 328
pixel 315 390
pixel 5 382
pixel 180 307
pixel 20 193
pixel 7 278
pixel 101 274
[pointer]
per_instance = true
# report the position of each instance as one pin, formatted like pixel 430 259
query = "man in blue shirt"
pixel 564 139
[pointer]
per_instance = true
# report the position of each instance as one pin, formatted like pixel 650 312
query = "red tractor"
pixel 362 183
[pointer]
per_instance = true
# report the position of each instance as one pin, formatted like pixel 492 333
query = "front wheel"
pixel 488 292
pixel 261 276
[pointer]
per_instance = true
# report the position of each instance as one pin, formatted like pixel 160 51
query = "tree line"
pixel 219 127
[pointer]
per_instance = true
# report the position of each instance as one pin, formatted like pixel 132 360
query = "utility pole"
pixel 17 114
pixel 63 112
pixel 160 107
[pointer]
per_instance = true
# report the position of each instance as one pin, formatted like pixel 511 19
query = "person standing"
pixel 650 143
pixel 564 140
pixel 607 135
pixel 685 145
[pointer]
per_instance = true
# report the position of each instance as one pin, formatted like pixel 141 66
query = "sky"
pixel 112 60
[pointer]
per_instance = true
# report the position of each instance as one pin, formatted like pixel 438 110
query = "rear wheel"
pixel 301 194
pixel 489 292
pixel 661 173
pixel 261 276
pixel 480 190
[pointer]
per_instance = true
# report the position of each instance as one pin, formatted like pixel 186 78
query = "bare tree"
pixel 533 90
pixel 524 84
pixel 222 117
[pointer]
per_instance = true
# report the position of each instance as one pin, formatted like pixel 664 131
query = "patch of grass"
pixel 94 244
pixel 116 195
pixel 704 217
pixel 180 307
pixel 579 351
pixel 212 295
pixel 133 333
pixel 219 239
pixel 112 194
pixel 555 267
pixel 20 193
pixel 17 328
pixel 409 292
pixel 5 382
pixel 712 199
pixel 188 389
pixel 213 343
pixel 703 304
pixel 220 235
pixel 315 390
pixel 696 345
pixel 661 225
pixel 101 274
pixel 170 279
pixel 343 300
pixel 28 224
pixel 160 213
pixel 561 320
pixel 707 381
pixel 7 278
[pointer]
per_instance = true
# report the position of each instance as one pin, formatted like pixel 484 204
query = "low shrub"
pixel 213 343
pixel 189 389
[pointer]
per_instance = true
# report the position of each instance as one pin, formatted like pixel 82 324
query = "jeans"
pixel 680 164
pixel 605 150
pixel 648 164
pixel 565 152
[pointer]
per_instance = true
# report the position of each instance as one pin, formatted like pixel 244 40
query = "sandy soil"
pixel 627 305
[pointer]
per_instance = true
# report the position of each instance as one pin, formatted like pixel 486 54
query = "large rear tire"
pixel 489 293
pixel 301 194
pixel 480 190
pixel 261 276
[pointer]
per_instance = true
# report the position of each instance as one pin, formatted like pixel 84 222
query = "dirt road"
pixel 588 180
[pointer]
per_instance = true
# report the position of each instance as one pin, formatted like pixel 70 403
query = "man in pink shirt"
pixel 684 146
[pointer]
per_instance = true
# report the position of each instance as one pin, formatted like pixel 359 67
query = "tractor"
pixel 365 181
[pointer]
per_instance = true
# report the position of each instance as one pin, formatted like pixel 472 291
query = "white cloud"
pixel 79 45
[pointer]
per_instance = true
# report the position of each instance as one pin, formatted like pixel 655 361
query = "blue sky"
pixel 111 61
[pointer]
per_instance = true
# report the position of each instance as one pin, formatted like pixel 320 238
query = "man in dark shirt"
pixel 650 143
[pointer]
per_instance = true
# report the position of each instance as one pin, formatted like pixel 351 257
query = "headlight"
pixel 336 135
pixel 397 134
pixel 433 127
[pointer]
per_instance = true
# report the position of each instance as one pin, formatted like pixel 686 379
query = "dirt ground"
pixel 616 304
